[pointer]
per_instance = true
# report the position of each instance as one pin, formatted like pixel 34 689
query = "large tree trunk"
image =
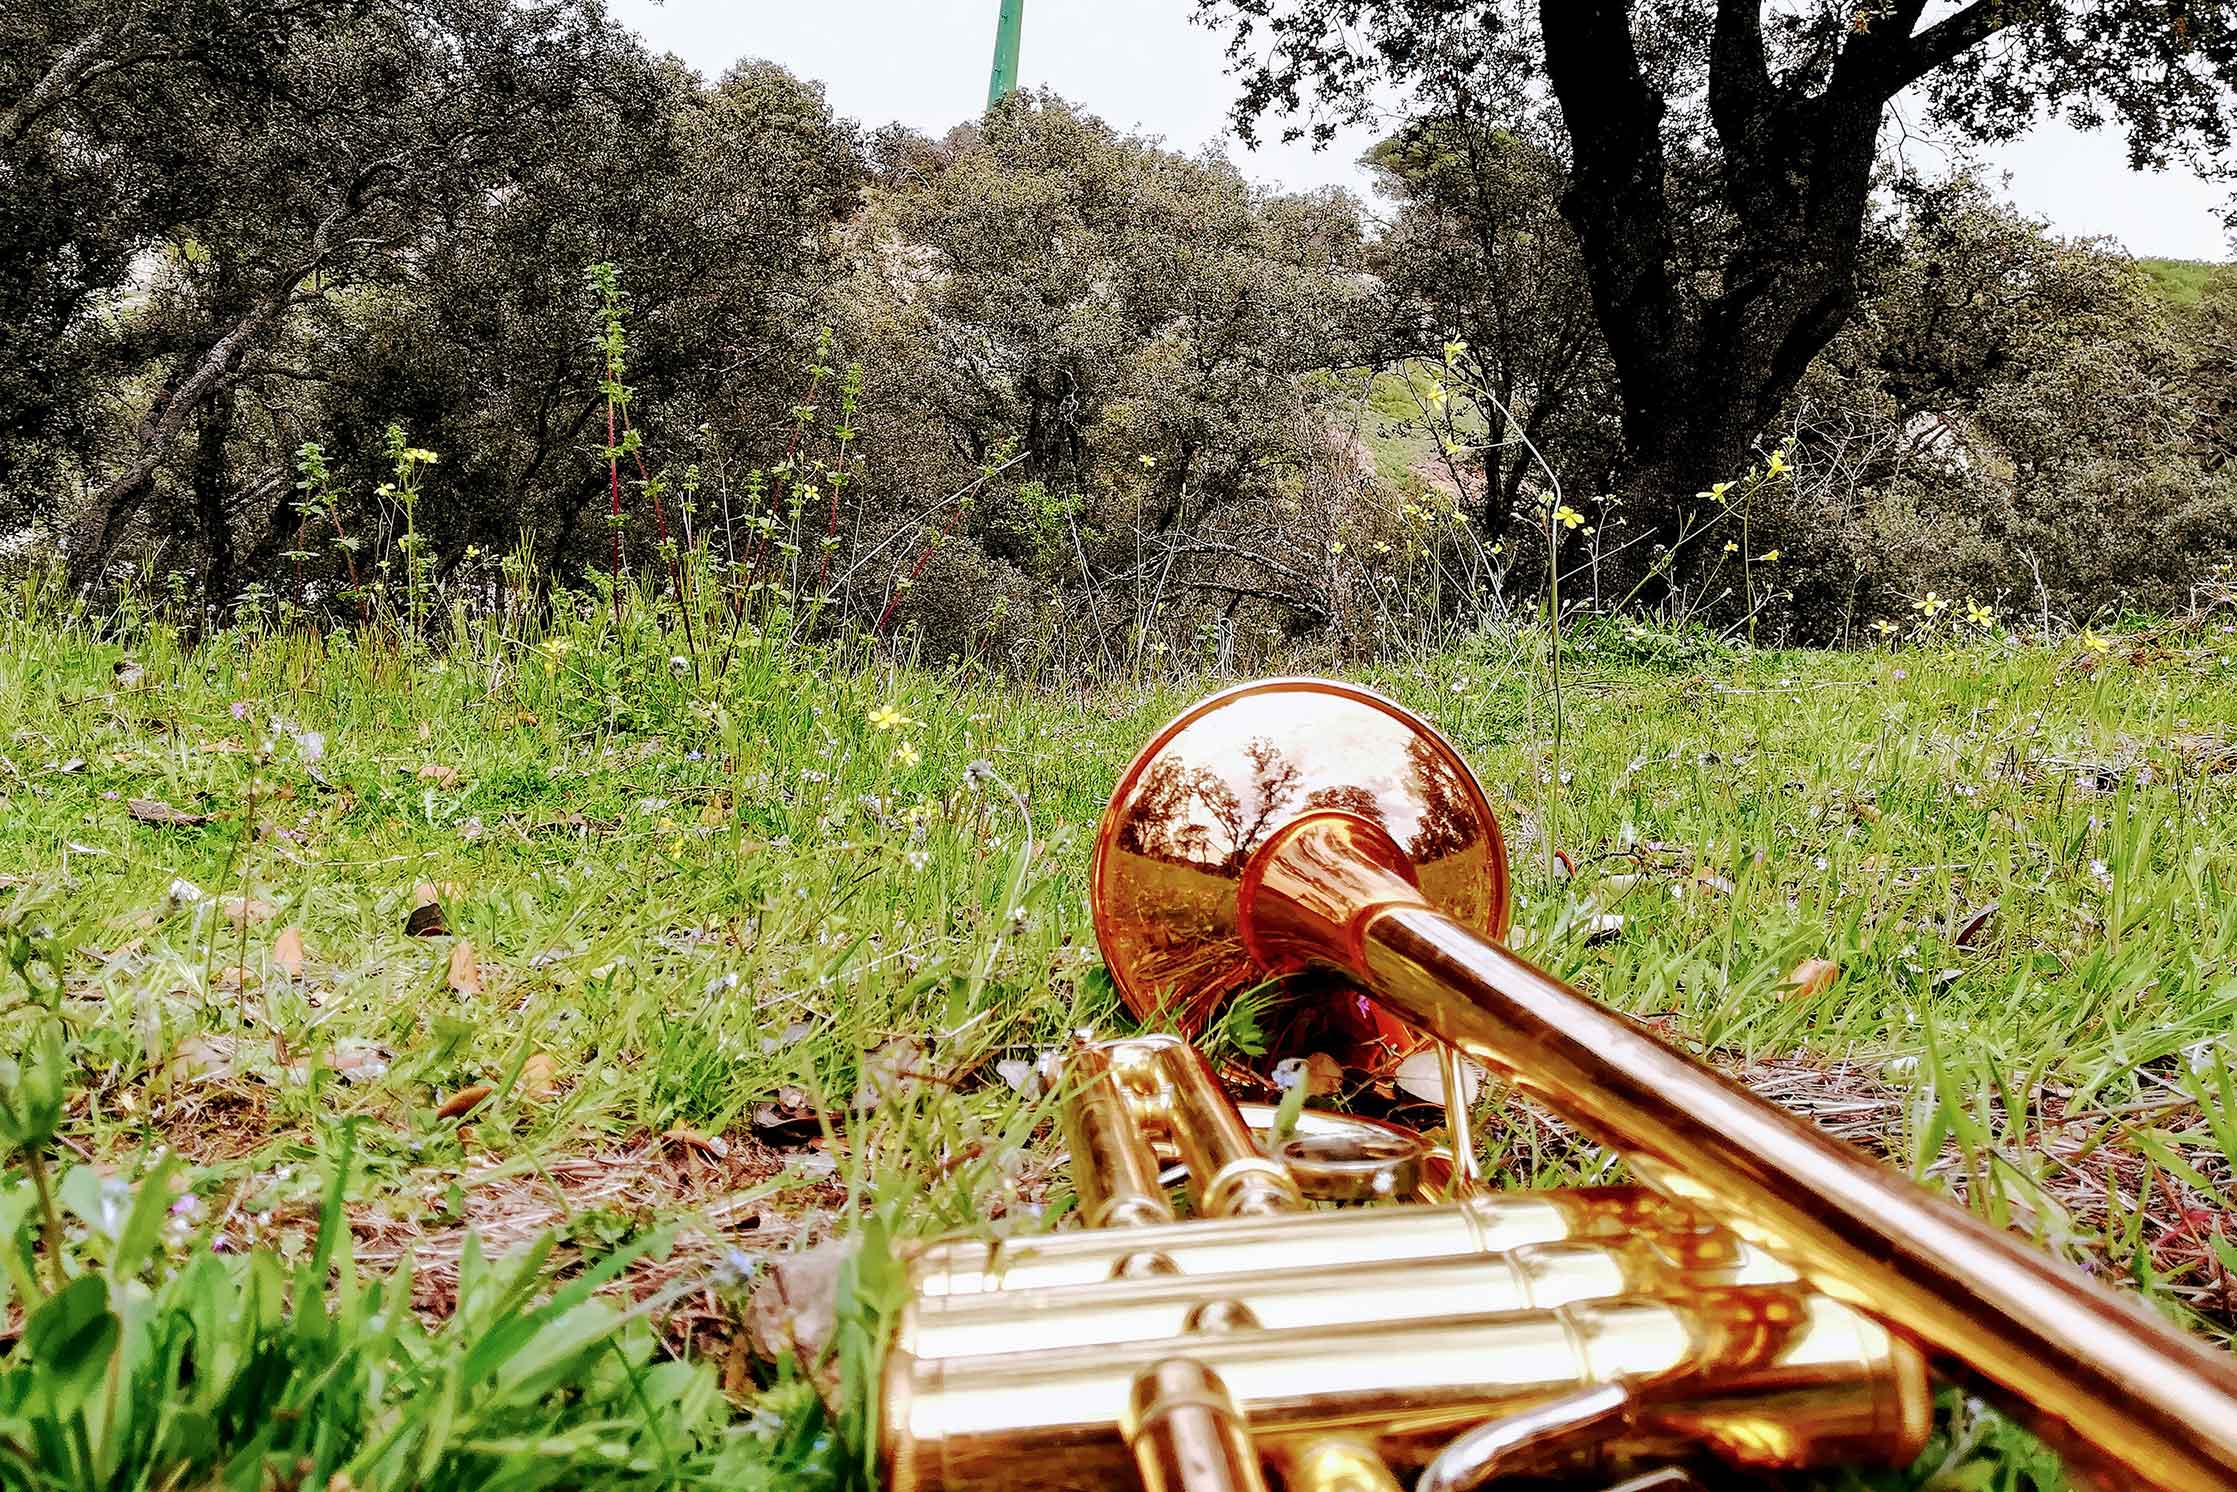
pixel 1703 376
pixel 211 477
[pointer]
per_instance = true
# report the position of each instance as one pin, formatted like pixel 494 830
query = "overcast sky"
pixel 1141 65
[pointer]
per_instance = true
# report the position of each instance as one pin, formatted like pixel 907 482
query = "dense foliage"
pixel 310 301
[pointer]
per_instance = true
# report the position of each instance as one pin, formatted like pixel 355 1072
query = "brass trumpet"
pixel 1774 1301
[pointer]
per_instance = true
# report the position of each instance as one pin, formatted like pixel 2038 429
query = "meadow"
pixel 488 1061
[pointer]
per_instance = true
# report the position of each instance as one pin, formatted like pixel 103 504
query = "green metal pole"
pixel 1006 33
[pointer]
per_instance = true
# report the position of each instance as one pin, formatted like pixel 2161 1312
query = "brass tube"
pixel 1186 1434
pixel 1334 1464
pixel 1537 1276
pixel 2104 1381
pixel 1172 1087
pixel 1113 1168
pixel 1767 1377
pixel 1487 1224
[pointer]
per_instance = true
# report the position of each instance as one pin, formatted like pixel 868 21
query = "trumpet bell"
pixel 1228 776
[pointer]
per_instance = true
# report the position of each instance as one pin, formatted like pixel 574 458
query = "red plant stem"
pixel 924 557
pixel 613 473
pixel 660 517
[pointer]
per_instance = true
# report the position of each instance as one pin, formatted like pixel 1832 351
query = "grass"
pixel 728 968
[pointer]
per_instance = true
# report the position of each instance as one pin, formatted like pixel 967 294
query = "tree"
pixel 1477 251
pixel 1132 323
pixel 1764 121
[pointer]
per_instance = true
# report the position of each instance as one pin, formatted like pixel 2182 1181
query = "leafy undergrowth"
pixel 441 1044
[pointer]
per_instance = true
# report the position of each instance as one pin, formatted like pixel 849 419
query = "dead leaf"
pixel 287 952
pixel 243 910
pixel 1864 813
pixel 716 813
pixel 793 1311
pixel 232 977
pixel 1603 927
pixel 1709 880
pixel 463 1101
pixel 539 1079
pixel 1973 929
pixel 1812 976
pixel 787 1120
pixel 1423 1075
pixel 464 975
pixel 156 811
pixel 427 921
pixel 692 1139
pixel 443 777
pixel 357 1060
pixel 203 1059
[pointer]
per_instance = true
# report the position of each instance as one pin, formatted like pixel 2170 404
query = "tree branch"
pixel 1949 38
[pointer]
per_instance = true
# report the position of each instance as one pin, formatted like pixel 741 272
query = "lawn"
pixel 563 982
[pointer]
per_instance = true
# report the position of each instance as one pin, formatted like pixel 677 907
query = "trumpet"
pixel 1768 1299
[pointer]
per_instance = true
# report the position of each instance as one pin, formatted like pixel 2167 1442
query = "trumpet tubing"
pixel 1772 1301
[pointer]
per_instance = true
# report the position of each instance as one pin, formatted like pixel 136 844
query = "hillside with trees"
pixel 1038 388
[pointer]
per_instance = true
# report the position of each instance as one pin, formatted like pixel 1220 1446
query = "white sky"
pixel 1141 65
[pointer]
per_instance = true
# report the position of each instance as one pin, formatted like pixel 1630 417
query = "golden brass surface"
pixel 1765 1376
pixel 1186 1434
pixel 1230 1246
pixel 1534 1276
pixel 1299 826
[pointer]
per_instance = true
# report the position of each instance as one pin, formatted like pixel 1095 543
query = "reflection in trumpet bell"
pixel 1205 796
pixel 1768 1377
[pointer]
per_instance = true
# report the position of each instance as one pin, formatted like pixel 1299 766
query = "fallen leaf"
pixel 1864 813
pixel 1023 1077
pixel 243 910
pixel 793 1311
pixel 357 1060
pixel 203 1058
pixel 1709 880
pixel 1603 927
pixel 1812 976
pixel 1423 1075
pixel 787 1120
pixel 442 776
pixel 463 1101
pixel 287 952
pixel 716 813
pixel 464 975
pixel 156 811
pixel 427 921
pixel 1972 929
pixel 232 977
pixel 692 1139
pixel 539 1079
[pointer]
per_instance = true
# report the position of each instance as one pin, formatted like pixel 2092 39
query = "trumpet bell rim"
pixel 1167 877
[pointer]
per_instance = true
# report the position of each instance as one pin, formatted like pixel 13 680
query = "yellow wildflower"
pixel 1730 547
pixel 1720 491
pixel 2094 643
pixel 1778 461
pixel 907 754
pixel 886 717
pixel 1884 627
pixel 1337 547
pixel 1768 557
pixel 1929 603
pixel 1978 615
pixel 1567 516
